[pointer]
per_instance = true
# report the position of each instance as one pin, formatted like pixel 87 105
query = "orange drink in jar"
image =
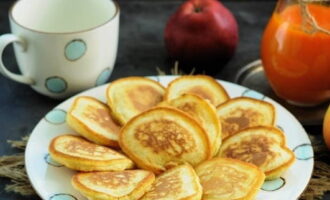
pixel 295 52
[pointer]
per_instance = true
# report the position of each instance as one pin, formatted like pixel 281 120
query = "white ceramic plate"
pixel 52 181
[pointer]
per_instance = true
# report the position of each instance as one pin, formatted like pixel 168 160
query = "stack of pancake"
pixel 188 141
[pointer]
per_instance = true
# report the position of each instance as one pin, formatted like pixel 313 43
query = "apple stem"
pixel 198 9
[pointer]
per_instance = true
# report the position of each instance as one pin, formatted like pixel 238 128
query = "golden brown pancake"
pixel 229 179
pixel 123 185
pixel 201 85
pixel 262 146
pixel 162 137
pixel 130 96
pixel 180 183
pixel 91 118
pixel 243 112
pixel 203 112
pixel 77 153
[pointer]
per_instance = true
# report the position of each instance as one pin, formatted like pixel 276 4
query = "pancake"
pixel 164 137
pixel 77 153
pixel 201 85
pixel 229 179
pixel 202 111
pixel 179 183
pixel 91 118
pixel 243 112
pixel 130 96
pixel 124 185
pixel 264 147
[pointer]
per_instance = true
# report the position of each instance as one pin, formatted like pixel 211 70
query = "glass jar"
pixel 295 51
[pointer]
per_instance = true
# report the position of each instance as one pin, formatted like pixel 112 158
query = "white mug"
pixel 62 46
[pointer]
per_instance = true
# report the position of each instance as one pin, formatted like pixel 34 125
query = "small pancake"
pixel 243 112
pixel 201 85
pixel 163 137
pixel 77 153
pixel 130 96
pixel 203 112
pixel 91 118
pixel 123 185
pixel 262 146
pixel 179 183
pixel 229 179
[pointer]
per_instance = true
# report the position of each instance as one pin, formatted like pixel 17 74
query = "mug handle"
pixel 5 40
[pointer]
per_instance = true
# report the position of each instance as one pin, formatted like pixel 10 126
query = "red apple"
pixel 201 32
pixel 326 128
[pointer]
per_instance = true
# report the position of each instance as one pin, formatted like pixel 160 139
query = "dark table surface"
pixel 141 49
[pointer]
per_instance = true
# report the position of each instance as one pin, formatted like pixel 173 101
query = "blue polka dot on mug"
pixel 103 77
pixel 75 49
pixel 56 84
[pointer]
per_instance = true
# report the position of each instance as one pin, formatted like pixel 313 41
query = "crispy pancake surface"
pixel 91 118
pixel 77 153
pixel 179 183
pixel 201 85
pixel 243 112
pixel 130 96
pixel 202 111
pixel 262 146
pixel 162 137
pixel 229 179
pixel 123 185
